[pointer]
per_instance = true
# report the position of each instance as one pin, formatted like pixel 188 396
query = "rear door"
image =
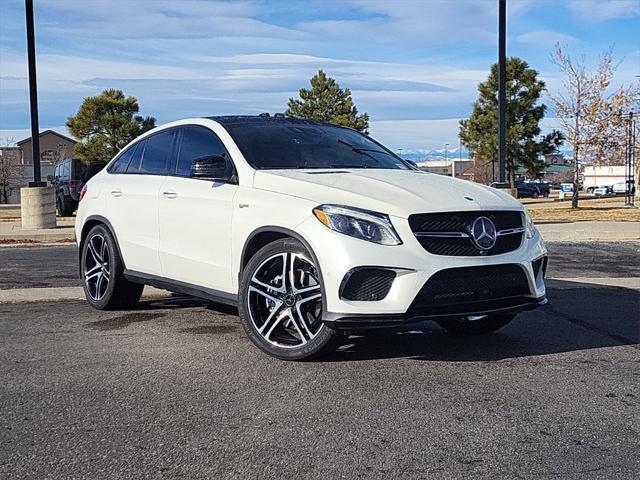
pixel 195 217
pixel 134 191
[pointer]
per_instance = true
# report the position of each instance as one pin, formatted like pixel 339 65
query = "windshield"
pixel 287 146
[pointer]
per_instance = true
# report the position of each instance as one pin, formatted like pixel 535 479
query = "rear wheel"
pixel 480 326
pixel 64 206
pixel 104 284
pixel 280 302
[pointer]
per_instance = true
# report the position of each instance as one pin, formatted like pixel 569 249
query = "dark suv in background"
pixel 525 189
pixel 68 177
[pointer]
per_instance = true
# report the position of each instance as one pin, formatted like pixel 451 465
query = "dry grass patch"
pixel 562 212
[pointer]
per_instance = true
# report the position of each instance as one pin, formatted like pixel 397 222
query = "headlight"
pixel 528 223
pixel 363 224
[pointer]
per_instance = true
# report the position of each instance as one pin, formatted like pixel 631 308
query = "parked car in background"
pixel 622 188
pixel 68 178
pixel 603 190
pixel 311 229
pixel 524 189
pixel 544 188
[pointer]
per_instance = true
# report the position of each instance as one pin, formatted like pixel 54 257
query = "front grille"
pixel 470 289
pixel 367 284
pixel 448 233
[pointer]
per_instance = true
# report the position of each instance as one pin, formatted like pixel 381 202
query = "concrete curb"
pixel 632 283
pixel 58 294
pixel 589 231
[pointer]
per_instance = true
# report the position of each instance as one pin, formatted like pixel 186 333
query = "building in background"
pixel 443 167
pixel 16 165
pixel 53 147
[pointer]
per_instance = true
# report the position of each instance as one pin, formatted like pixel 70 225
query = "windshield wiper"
pixel 362 151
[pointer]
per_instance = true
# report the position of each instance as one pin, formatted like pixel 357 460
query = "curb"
pixel 61 294
pixel 64 294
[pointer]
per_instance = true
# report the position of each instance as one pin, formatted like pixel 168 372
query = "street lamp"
pixel 37 201
pixel 446 151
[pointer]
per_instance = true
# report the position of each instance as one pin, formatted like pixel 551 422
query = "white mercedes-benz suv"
pixel 311 229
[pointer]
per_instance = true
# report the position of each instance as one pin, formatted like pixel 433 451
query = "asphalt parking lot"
pixel 175 389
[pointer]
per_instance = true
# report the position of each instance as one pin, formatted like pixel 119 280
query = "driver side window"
pixel 197 142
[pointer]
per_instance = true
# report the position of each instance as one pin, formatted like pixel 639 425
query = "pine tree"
pixel 524 144
pixel 327 102
pixel 105 123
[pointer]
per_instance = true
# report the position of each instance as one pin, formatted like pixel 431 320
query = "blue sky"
pixel 412 65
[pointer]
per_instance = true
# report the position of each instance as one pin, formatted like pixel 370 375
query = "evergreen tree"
pixel 327 102
pixel 105 123
pixel 525 146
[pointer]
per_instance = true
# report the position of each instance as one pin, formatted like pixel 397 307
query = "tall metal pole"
pixel 502 90
pixel 33 97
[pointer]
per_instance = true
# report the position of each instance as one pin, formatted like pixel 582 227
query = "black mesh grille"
pixel 471 286
pixel 461 222
pixel 367 284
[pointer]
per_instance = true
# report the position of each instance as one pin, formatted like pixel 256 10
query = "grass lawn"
pixel 605 210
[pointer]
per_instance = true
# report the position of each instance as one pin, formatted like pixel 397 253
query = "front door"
pixel 195 217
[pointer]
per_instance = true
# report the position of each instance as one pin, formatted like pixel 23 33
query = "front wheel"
pixel 280 302
pixel 481 326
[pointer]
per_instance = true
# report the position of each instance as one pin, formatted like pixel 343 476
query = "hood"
pixel 395 192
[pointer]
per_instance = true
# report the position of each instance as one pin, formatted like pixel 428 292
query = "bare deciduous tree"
pixel 9 172
pixel 591 111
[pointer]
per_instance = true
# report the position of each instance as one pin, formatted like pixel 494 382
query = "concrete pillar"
pixel 38 207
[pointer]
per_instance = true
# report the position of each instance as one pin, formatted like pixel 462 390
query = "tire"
pixel 280 302
pixel 100 262
pixel 483 326
pixel 65 206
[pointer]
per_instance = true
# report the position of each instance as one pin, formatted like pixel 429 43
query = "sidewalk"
pixel 56 294
pixel 589 231
pixel 12 232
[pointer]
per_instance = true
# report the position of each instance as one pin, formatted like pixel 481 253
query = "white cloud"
pixel 545 38
pixel 602 10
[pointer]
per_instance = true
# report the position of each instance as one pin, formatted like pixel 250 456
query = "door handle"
pixel 169 194
pixel 116 192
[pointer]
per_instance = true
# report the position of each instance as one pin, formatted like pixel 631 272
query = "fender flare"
pixel 102 220
pixel 290 233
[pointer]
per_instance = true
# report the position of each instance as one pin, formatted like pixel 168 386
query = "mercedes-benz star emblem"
pixel 483 233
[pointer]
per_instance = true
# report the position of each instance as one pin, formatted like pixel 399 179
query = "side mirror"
pixel 50 178
pixel 412 163
pixel 212 167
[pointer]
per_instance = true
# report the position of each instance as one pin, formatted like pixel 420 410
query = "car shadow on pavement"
pixel 578 317
pixel 180 301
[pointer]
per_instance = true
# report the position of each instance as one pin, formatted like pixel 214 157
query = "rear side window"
pixel 136 158
pixel 157 153
pixel 197 142
pixel 121 163
pixel 64 170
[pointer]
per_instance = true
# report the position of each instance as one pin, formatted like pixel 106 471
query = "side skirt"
pixel 182 287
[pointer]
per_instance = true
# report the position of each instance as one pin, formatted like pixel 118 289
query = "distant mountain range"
pixel 424 155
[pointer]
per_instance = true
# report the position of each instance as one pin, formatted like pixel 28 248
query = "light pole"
pixel 502 87
pixel 33 96
pixel 446 155
pixel 37 201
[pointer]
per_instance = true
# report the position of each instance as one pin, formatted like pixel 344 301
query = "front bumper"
pixel 503 306
pixel 338 254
